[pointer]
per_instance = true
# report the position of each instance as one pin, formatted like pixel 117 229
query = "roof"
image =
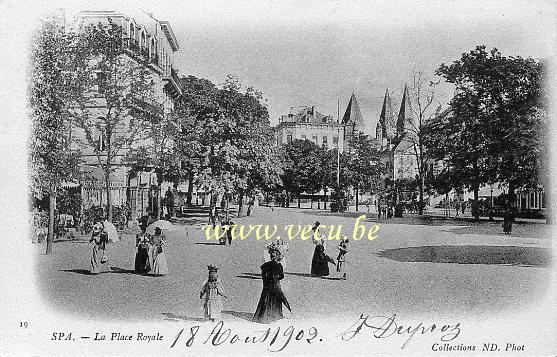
pixel 353 116
pixel 170 35
pixel 405 114
pixel 387 117
pixel 92 173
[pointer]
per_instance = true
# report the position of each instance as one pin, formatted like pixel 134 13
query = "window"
pixel 335 140
pixel 132 31
pixel 304 137
pixel 542 199
pixel 532 199
pixel 101 81
pixel 289 138
pixel 143 43
pixel 99 138
pixel 325 142
pixel 314 138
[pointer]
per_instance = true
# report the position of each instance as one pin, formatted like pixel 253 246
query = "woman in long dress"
pixel 269 308
pixel 99 238
pixel 159 258
pixel 142 264
pixel 212 305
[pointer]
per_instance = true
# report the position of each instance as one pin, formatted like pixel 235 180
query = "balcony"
pixel 141 53
pixel 172 82
pixel 148 107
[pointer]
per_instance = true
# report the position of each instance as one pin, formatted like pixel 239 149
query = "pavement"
pixel 414 267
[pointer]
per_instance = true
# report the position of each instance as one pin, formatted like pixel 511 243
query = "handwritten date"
pixel 220 335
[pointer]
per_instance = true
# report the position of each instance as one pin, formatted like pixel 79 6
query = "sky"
pixel 318 53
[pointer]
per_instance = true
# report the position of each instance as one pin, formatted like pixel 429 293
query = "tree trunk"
pixel 51 209
pixel 159 200
pixel 511 200
pixel 476 204
pixel 357 198
pixel 240 203
pixel 299 201
pixel 108 198
pixel 227 208
pixel 421 197
pixel 190 189
pixel 159 195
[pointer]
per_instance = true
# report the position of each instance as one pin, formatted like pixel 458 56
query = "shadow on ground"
pixel 473 254
pixel 465 225
pixel 248 316
pixel 170 316
pixel 249 276
pixel 78 271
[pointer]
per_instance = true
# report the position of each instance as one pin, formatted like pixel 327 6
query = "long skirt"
pixel 269 308
pixel 213 305
pixel 159 265
pixel 319 263
pixel 142 260
pixel 96 265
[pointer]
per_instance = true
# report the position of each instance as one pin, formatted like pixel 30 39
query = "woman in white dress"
pixel 159 266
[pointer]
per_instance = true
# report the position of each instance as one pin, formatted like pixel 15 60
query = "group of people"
pixel 272 298
pixel 149 258
pixel 320 261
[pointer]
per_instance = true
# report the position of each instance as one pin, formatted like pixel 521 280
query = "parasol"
pixel 110 229
pixel 162 224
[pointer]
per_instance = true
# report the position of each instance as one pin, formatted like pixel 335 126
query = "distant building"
pixel 309 124
pixel 352 120
pixel 395 139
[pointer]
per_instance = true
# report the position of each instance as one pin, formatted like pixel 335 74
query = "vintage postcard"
pixel 278 178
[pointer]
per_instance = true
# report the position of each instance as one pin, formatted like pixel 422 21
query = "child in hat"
pixel 212 293
pixel 342 250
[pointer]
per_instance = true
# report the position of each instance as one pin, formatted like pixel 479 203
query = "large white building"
pixel 309 124
pixel 151 43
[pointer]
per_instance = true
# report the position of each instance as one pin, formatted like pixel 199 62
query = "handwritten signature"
pixel 384 327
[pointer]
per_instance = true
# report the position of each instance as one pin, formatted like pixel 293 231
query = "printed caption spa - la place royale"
pixel 112 336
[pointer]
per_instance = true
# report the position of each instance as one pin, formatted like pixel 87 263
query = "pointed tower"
pixel 405 120
pixel 387 118
pixel 352 119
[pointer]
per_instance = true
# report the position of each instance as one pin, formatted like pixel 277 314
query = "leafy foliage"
pixel 493 132
pixel 108 92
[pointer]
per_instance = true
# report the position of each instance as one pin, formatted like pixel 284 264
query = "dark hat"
pixel 212 268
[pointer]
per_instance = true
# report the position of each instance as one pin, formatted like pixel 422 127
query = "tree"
pixel 226 139
pixel 364 167
pixel 52 161
pixel 302 167
pixel 112 95
pixel 422 96
pixel 158 153
pixel 495 105
pixel 198 110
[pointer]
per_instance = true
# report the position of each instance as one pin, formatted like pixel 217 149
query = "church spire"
pixel 404 120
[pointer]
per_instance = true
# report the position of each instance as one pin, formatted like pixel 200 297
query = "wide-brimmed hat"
pixel 97 227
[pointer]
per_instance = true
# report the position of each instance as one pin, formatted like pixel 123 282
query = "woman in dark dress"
pixel 269 308
pixel 320 261
pixel 142 255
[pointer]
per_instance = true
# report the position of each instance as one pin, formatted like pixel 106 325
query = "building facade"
pixel 308 124
pixel 150 43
